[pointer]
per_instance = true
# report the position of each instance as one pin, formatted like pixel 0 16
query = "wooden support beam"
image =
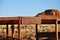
pixel 36 32
pixel 19 30
pixel 56 29
pixel 37 38
pixel 7 31
pixel 12 30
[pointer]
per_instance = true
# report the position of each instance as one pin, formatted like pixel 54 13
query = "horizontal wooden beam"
pixel 31 20
pixel 9 18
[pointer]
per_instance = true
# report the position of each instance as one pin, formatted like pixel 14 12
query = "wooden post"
pixel 56 29
pixel 12 31
pixel 6 31
pixel 36 32
pixel 37 38
pixel 19 30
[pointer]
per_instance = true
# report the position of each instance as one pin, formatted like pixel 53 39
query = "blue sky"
pixel 26 7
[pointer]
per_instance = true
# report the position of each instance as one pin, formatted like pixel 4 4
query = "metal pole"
pixel 56 29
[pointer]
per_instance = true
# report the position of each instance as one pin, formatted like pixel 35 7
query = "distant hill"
pixel 52 12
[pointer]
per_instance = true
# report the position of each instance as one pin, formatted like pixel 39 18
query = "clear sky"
pixel 26 7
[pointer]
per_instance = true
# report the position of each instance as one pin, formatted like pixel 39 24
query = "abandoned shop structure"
pixel 45 25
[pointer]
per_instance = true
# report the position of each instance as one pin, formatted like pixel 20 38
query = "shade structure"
pixel 47 17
